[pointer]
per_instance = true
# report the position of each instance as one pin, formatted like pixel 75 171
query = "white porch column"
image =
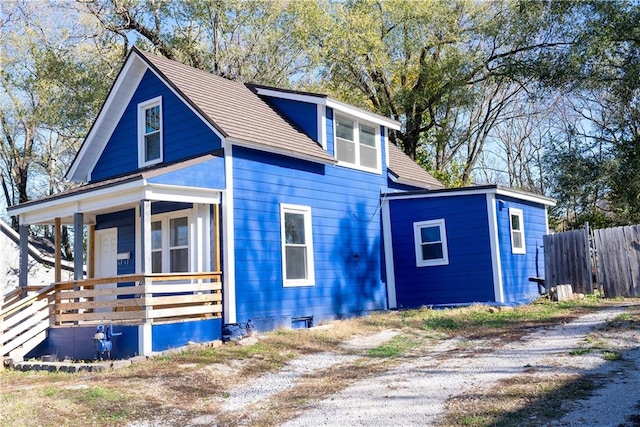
pixel 23 277
pixel 145 236
pixel 145 344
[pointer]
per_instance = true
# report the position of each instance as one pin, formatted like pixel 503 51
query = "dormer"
pixel 353 137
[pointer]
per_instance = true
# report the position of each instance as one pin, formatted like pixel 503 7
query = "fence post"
pixel 587 240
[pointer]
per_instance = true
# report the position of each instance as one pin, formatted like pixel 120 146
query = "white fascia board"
pixel 103 199
pixel 175 193
pixel 274 150
pixel 406 181
pixel 472 191
pixel 335 104
pixel 525 196
pixel 106 122
pixel 291 96
pixel 494 243
pixel 112 197
pixel 362 114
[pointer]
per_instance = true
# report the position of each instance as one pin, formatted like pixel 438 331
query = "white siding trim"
pixel 494 241
pixel 388 255
pixel 229 261
pixel 144 339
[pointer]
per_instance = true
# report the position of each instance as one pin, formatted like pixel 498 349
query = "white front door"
pixel 106 259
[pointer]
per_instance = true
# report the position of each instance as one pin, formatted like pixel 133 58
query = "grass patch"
pixel 526 400
pixel 396 347
pixel 580 351
pixel 611 355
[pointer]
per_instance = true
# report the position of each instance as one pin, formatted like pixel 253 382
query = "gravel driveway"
pixel 415 393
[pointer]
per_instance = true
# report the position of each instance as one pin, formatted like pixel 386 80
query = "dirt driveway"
pixel 428 385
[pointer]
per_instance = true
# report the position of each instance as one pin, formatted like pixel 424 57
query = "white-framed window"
pixel 297 245
pixel 516 226
pixel 430 238
pixel 170 242
pixel 150 132
pixel 357 144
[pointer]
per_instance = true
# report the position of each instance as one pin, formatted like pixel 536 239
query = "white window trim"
pixel 356 137
pixel 515 249
pixel 165 219
pixel 142 107
pixel 308 232
pixel 417 239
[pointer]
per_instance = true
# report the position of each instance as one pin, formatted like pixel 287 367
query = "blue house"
pixel 205 202
pixel 466 245
pixel 208 202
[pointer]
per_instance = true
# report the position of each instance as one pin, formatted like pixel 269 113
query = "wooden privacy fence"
pixel 567 260
pixel 618 260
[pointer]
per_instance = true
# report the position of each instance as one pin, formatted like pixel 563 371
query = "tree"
pixel 53 79
pixel 600 73
pixel 447 70
pixel 252 40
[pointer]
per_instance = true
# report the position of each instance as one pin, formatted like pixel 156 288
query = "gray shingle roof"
pixel 236 111
pixel 409 172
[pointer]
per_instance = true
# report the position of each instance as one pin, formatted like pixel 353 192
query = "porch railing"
pixel 139 299
pixel 24 320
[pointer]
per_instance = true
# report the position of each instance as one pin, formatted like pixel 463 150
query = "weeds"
pixel 193 379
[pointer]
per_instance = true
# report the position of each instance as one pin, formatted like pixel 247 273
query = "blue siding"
pixel 209 174
pixel 468 276
pixel 329 124
pixel 346 237
pixel 76 343
pixel 517 268
pixel 302 114
pixel 171 335
pixel 184 134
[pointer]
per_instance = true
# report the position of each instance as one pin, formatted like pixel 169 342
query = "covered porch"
pixel 146 260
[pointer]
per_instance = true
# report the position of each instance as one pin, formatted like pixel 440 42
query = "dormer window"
pixel 357 144
pixel 150 132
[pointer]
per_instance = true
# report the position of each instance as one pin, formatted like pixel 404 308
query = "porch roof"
pixel 114 194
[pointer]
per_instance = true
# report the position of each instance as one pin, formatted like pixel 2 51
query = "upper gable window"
pixel 516 225
pixel 150 132
pixel 357 144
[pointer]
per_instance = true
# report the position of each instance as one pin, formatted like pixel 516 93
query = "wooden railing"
pixel 140 299
pixel 133 299
pixel 24 321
